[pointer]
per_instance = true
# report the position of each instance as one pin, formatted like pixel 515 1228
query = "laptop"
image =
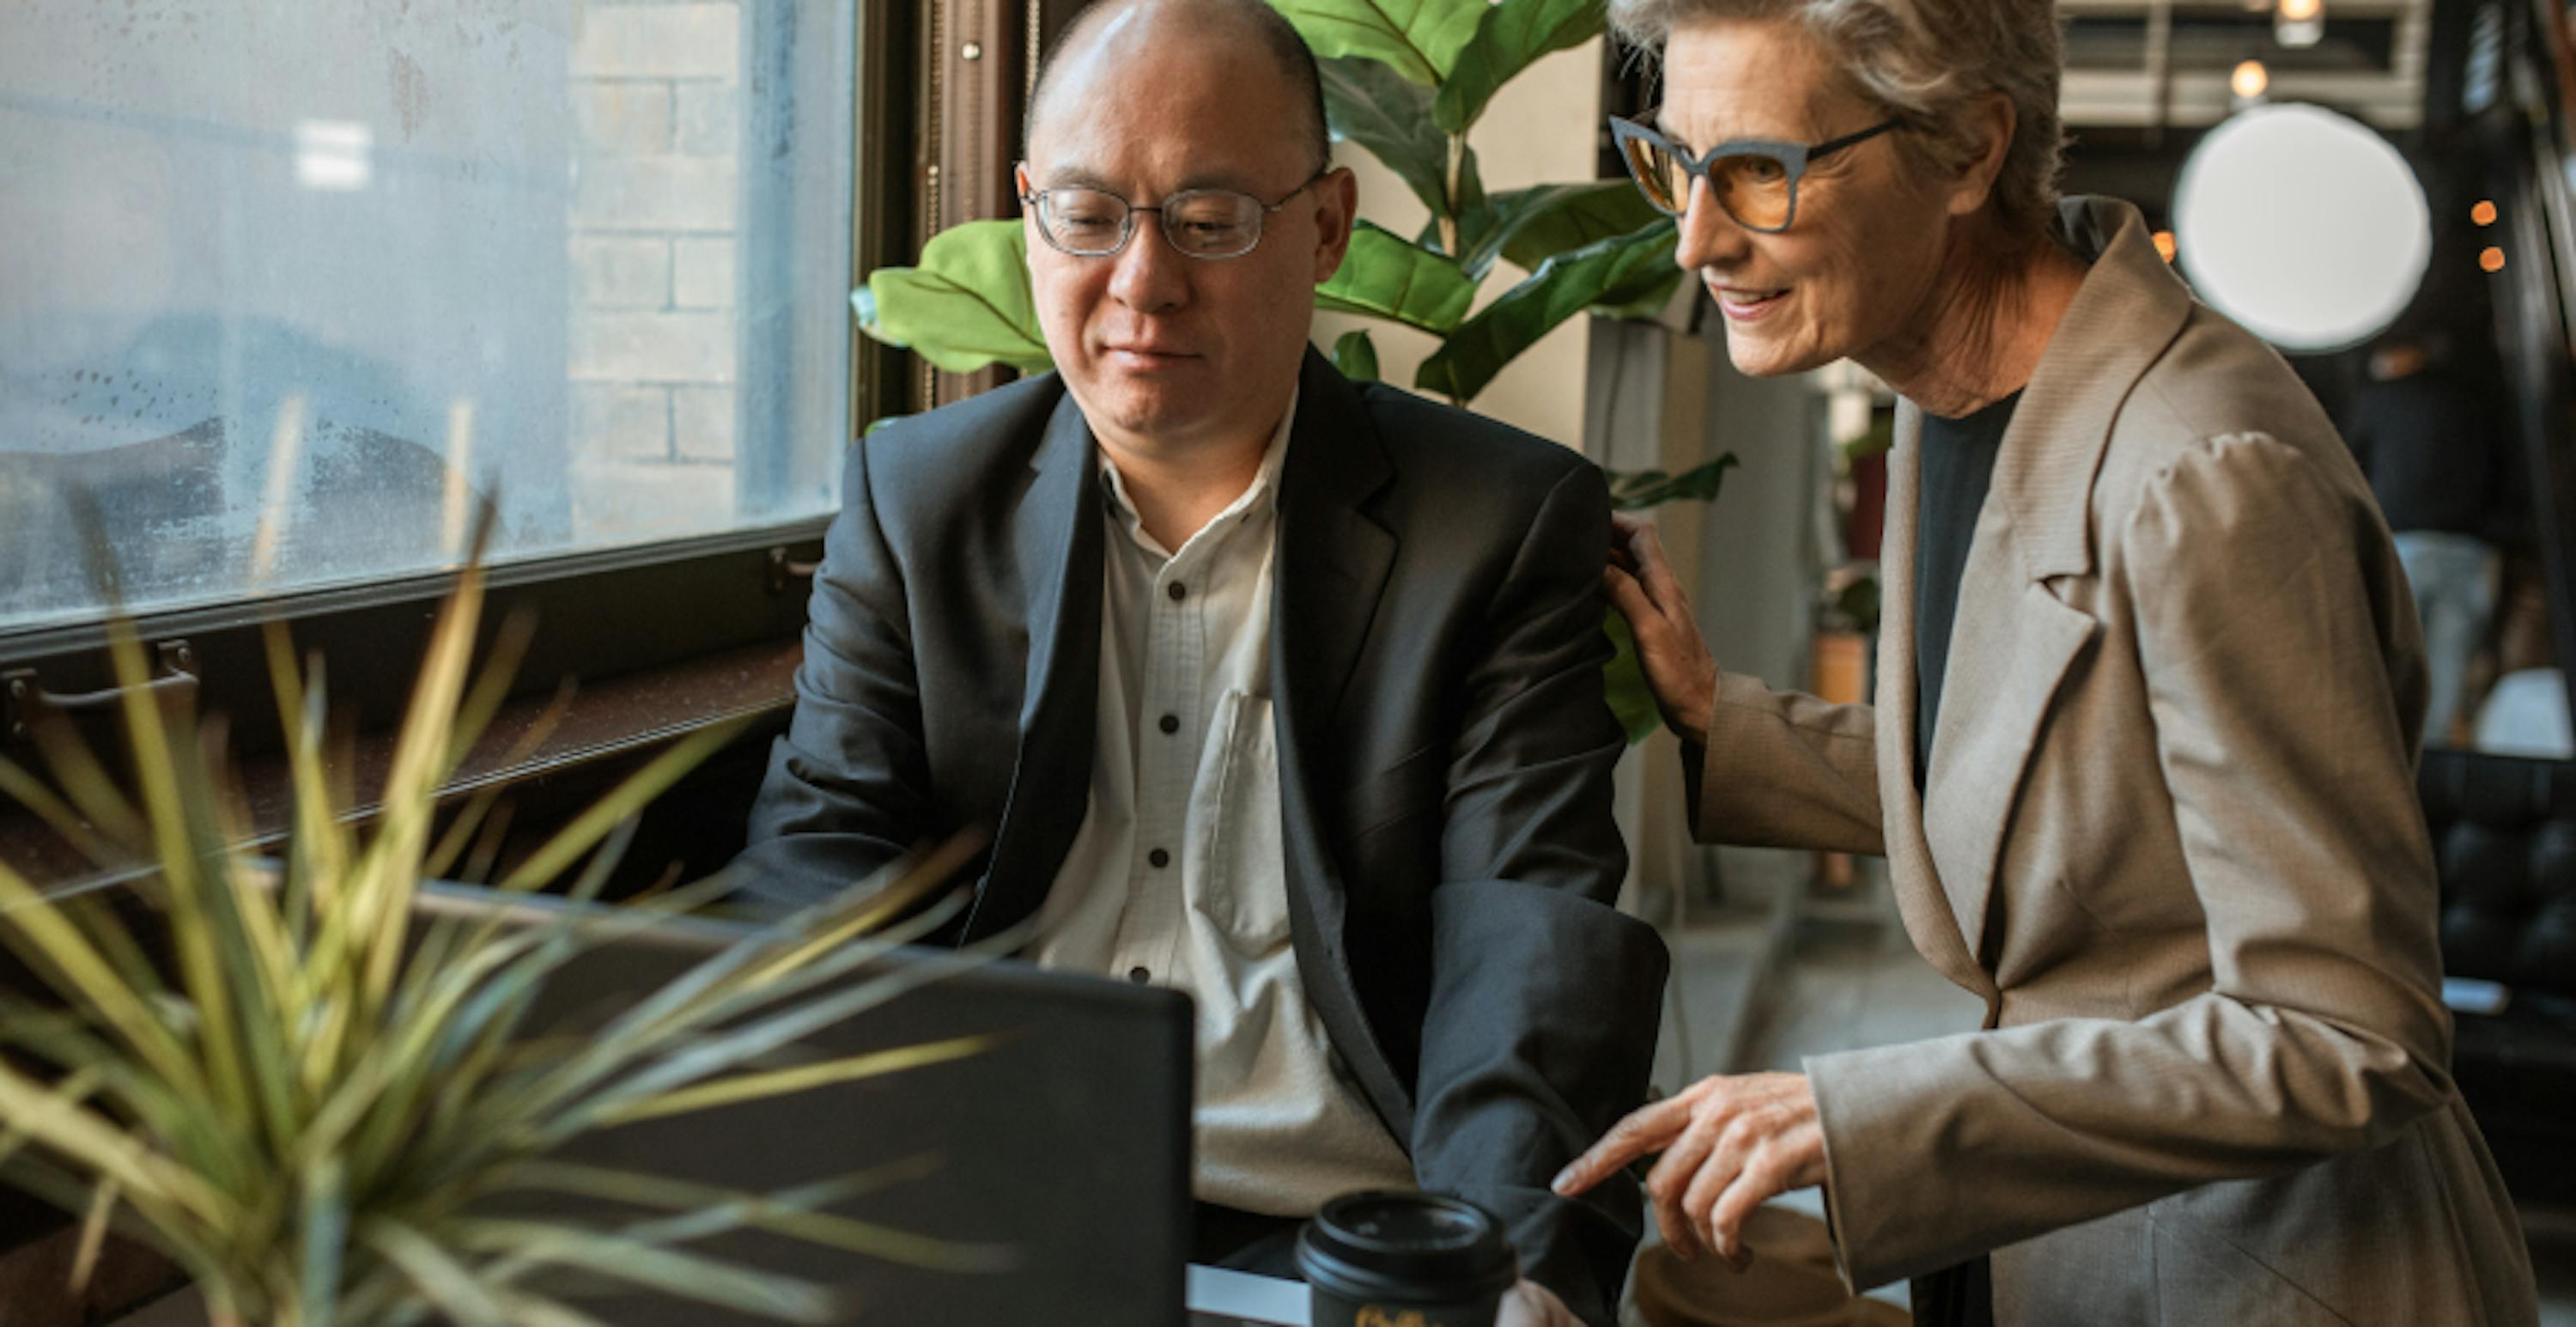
pixel 1066 1144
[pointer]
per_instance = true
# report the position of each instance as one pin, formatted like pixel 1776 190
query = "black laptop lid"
pixel 1068 1142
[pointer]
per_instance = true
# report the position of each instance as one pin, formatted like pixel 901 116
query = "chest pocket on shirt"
pixel 1242 880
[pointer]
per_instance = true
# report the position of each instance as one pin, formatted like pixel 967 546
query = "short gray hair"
pixel 1924 61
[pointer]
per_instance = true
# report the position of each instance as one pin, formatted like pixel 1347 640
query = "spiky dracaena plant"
pixel 328 1110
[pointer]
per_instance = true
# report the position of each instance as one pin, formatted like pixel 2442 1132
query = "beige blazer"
pixel 2171 838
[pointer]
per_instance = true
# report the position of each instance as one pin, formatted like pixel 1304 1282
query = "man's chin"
pixel 1143 410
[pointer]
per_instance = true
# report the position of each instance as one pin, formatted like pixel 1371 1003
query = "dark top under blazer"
pixel 1445 755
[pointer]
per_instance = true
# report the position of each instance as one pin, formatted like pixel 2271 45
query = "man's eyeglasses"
pixel 1754 179
pixel 1199 223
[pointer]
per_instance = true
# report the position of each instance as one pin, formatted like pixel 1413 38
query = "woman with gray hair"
pixel 2142 755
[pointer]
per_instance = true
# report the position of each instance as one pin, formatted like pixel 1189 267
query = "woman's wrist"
pixel 1691 718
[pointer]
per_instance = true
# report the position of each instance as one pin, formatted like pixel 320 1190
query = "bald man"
pixel 1270 687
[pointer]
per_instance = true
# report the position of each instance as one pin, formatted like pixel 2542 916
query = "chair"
pixel 2504 839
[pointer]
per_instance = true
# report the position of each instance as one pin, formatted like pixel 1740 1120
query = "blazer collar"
pixel 1334 559
pixel 1059 547
pixel 1333 555
pixel 2130 307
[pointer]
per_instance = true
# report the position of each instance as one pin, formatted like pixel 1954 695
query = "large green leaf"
pixel 1647 301
pixel 966 306
pixel 1356 356
pixel 1615 271
pixel 1536 224
pixel 1387 276
pixel 1623 683
pixel 1637 490
pixel 1509 37
pixel 1419 39
pixel 1368 103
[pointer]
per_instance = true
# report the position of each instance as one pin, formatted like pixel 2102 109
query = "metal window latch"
pixel 782 569
pixel 28 703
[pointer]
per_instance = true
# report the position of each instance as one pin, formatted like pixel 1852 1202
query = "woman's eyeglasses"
pixel 1199 223
pixel 1754 179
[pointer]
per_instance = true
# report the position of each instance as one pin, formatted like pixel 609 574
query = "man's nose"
pixel 1150 275
pixel 1709 237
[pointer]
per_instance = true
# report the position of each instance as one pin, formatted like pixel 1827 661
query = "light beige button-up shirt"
pixel 1177 876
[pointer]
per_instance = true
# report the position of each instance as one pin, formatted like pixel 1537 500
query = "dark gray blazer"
pixel 1445 755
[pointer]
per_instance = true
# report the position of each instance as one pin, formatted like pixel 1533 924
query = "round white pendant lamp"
pixel 2303 225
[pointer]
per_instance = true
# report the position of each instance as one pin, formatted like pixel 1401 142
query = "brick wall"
pixel 657 109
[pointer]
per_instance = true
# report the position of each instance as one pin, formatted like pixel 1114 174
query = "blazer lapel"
pixel 2013 640
pixel 1921 899
pixel 1333 562
pixel 2010 648
pixel 1333 559
pixel 1057 540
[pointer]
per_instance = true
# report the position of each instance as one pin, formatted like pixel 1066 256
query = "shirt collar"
pixel 1260 496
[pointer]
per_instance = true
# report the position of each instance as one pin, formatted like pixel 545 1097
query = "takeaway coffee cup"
pixel 1405 1260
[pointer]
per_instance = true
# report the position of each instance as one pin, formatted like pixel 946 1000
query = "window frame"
pixel 664 638
pixel 601 613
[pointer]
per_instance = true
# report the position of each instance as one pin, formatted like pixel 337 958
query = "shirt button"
pixel 1139 975
pixel 1171 723
pixel 1159 858
pixel 1178 591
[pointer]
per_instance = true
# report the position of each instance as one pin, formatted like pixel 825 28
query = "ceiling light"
pixel 2249 80
pixel 2303 225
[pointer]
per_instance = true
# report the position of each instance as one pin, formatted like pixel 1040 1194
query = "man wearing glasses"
pixel 1270 687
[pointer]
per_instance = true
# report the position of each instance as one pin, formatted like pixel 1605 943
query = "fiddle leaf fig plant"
pixel 1407 80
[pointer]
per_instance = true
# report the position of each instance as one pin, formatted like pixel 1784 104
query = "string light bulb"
pixel 2491 259
pixel 2299 22
pixel 2484 213
pixel 2249 80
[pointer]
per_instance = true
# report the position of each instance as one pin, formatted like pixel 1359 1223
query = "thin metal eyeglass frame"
pixel 1036 198
pixel 1793 158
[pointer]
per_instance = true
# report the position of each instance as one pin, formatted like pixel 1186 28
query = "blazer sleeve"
pixel 2283 679
pixel 1540 1028
pixel 1785 770
pixel 844 793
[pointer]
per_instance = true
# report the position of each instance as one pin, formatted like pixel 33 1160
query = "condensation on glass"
pixel 291 291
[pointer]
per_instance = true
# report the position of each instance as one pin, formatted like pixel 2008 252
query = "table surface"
pixel 1216 1298
pixel 1219 1298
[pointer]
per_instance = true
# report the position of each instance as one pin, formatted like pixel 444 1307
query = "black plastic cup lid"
pixel 1423 1247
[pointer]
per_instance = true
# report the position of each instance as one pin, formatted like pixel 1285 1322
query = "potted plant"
pixel 323 1105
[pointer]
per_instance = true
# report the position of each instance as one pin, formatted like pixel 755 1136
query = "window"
pixel 292 290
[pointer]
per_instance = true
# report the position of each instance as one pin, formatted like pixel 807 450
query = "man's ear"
pixel 1991 117
pixel 1337 206
pixel 1028 213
